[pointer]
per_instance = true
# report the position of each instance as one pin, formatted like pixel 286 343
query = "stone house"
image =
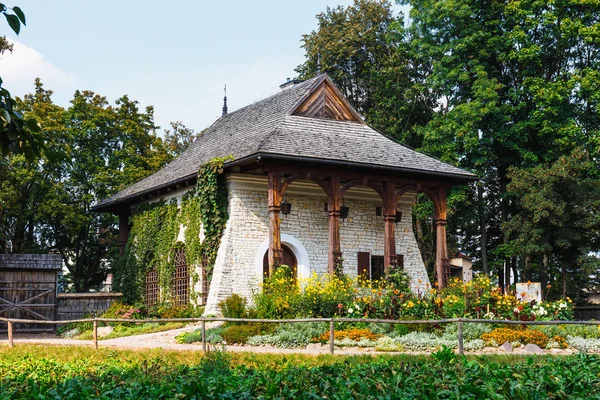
pixel 310 184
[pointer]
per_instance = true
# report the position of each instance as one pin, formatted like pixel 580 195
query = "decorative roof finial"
pixel 224 102
pixel 318 63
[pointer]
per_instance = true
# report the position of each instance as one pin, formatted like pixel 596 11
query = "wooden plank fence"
pixel 331 321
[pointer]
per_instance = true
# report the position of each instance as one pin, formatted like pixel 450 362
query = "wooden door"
pixel 289 259
pixel 28 295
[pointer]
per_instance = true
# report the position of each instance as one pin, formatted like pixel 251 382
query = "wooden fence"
pixel 78 305
pixel 330 321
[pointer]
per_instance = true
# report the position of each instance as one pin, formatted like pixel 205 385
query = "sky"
pixel 175 55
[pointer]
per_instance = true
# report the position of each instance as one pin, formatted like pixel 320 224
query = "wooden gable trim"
pixel 326 101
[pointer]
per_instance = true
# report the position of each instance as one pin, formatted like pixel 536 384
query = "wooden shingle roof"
pixel 276 126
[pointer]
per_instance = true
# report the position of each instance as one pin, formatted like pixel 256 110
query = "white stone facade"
pixel 238 268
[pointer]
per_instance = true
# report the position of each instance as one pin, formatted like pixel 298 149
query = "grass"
pixel 42 372
pixel 133 329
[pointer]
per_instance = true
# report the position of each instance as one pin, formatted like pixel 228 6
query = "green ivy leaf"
pixel 20 14
pixel 14 22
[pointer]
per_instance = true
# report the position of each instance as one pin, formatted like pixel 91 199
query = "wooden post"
pixel 442 266
pixel 123 230
pixel 461 345
pixel 331 337
pixel 204 336
pixel 334 224
pixel 10 334
pixel 96 334
pixel 275 250
pixel 389 205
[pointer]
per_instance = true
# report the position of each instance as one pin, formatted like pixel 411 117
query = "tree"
pixel 18 134
pixel 46 204
pixel 559 218
pixel 365 50
pixel 179 137
pixel 518 85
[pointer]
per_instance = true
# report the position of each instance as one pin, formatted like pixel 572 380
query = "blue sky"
pixel 173 55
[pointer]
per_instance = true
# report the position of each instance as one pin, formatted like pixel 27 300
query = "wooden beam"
pixel 275 250
pixel 334 202
pixel 442 265
pixel 389 216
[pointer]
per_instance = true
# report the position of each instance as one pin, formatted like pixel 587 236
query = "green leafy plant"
pixel 233 306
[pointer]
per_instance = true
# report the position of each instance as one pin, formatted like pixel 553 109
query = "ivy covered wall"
pixel 154 235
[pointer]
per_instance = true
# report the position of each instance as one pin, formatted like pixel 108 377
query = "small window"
pixel 378 211
pixel 180 285
pixel 152 290
pixel 370 267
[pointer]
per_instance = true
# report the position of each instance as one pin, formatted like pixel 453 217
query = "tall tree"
pixel 46 204
pixel 558 218
pixel 519 86
pixel 365 50
pixel 179 137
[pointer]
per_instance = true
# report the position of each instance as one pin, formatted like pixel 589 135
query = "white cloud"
pixel 20 68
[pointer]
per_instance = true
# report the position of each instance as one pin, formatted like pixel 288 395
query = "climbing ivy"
pixel 154 234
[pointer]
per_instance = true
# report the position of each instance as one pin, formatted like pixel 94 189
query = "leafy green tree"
pixel 179 137
pixel 365 50
pixel 559 218
pixel 518 86
pixel 45 205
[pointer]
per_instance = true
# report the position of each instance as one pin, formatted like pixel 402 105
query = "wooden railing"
pixel 331 321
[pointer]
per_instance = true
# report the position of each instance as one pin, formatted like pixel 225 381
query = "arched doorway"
pixel 289 259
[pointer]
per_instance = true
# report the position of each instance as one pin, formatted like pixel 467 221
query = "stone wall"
pixel 239 262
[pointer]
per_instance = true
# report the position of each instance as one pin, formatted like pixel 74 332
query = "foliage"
pixel 559 215
pixel 516 84
pixel 582 331
pixel 239 334
pixel 55 372
pixel 527 336
pixel 584 345
pixel 290 335
pixel 233 306
pixel 179 137
pixel 154 233
pixel 352 334
pixel 18 134
pixel 213 336
pixel 47 204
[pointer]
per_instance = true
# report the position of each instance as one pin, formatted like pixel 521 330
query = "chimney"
pixel 289 83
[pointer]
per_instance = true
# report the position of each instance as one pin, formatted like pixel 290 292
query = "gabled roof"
pixel 310 121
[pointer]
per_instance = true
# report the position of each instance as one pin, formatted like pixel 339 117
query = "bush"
pixel 167 310
pixel 584 331
pixel 213 336
pixel 233 306
pixel 239 334
pixel 470 331
pixel 290 335
pixel 527 336
pixel 351 334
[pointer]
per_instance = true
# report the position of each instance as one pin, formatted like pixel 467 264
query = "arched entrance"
pixel 289 259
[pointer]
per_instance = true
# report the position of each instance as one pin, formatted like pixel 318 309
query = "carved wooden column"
pixel 442 265
pixel 275 250
pixel 334 223
pixel 123 230
pixel 389 216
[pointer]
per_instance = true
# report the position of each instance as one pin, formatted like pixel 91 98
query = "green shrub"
pixel 471 331
pixel 233 306
pixel 290 335
pixel 239 334
pixel 213 336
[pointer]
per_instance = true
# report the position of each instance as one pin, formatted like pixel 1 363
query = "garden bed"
pixel 29 372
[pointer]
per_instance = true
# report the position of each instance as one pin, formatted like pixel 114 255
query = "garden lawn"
pixel 28 372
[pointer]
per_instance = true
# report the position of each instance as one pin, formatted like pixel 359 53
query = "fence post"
pixel 95 334
pixel 461 345
pixel 10 334
pixel 204 336
pixel 331 336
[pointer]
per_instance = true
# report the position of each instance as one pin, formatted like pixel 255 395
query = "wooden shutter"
pixel 364 260
pixel 400 258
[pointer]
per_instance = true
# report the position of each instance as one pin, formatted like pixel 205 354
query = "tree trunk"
pixel 482 230
pixel 564 280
